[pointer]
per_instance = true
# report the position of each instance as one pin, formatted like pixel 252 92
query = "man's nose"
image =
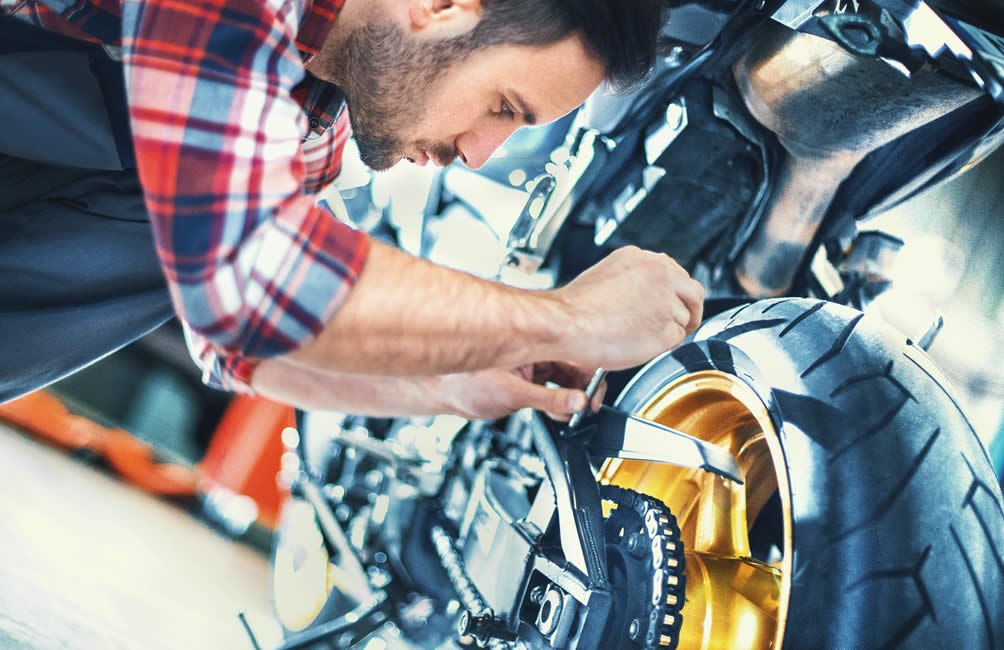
pixel 477 146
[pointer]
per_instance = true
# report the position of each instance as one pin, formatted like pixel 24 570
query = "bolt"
pixel 464 624
pixel 675 114
pixel 537 595
pixel 675 57
pixel 636 545
pixel 634 629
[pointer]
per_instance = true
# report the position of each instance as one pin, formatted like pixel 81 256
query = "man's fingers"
pixel 681 312
pixel 675 334
pixel 559 403
pixel 693 294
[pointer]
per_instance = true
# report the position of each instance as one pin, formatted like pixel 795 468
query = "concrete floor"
pixel 88 562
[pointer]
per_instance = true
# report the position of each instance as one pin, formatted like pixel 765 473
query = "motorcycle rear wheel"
pixel 888 521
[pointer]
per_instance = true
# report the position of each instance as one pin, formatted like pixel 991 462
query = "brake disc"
pixel 646 564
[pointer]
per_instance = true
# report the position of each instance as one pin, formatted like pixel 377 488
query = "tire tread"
pixel 801 317
pixel 900 489
pixel 752 326
pixel 885 373
pixel 901 633
pixel 837 346
pixel 976 586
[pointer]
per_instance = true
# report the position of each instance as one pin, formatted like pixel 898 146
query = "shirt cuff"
pixel 228 373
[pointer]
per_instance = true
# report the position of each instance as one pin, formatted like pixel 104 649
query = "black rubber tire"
pixel 898 519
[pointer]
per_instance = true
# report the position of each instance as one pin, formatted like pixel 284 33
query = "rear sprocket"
pixel 646 563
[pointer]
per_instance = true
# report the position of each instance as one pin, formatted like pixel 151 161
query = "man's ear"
pixel 444 17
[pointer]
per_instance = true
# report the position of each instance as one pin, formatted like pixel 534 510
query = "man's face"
pixel 412 97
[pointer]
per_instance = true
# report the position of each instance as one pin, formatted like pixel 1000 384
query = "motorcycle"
pixel 796 473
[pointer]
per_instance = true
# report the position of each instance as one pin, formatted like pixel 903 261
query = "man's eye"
pixel 506 111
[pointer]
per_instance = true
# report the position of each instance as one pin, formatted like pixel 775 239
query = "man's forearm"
pixel 406 316
pixel 309 389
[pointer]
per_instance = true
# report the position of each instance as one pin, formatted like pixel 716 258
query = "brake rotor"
pixel 646 566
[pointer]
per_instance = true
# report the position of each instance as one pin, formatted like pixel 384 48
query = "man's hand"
pixel 485 394
pixel 631 306
pixel 491 394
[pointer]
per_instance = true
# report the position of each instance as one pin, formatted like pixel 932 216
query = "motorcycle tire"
pixel 896 515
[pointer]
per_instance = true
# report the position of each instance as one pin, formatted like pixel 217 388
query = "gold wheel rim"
pixel 733 600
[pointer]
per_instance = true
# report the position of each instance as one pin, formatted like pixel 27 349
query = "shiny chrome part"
pixel 309 638
pixel 556 615
pixel 922 28
pixel 360 439
pixel 621 435
pixel 872 255
pixel 550 612
pixel 522 229
pixel 733 600
pixel 590 390
pixel 663 136
pixel 453 563
pixel 656 143
pixel 357 582
pixel 497 498
pixel 932 332
pixel 829 109
pixel 795 12
pixel 536 234
pixel 991 47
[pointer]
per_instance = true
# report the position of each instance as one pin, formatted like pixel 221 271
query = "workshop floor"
pixel 88 562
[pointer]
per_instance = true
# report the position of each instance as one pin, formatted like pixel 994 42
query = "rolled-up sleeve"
pixel 255 268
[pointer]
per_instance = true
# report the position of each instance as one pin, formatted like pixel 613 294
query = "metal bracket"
pixel 548 206
pixel 577 497
pixel 611 433
pixel 335 536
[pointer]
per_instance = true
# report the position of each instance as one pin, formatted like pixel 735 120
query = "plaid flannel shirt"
pixel 232 139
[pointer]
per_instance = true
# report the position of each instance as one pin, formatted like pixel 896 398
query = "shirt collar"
pixel 317 20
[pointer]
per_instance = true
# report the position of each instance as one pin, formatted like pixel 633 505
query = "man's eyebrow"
pixel 528 115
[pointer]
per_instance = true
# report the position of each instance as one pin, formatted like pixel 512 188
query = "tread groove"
pixel 945 391
pixel 976 585
pixel 912 572
pixel 887 502
pixel 776 304
pixel 752 326
pixel 886 373
pixel 881 424
pixel 801 317
pixel 732 319
pixel 968 501
pixel 904 630
pixel 837 346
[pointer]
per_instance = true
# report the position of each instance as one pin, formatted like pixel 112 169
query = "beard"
pixel 388 80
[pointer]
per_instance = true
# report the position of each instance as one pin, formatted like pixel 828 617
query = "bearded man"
pixel 212 124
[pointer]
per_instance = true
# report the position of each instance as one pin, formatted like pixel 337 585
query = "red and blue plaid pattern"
pixel 232 139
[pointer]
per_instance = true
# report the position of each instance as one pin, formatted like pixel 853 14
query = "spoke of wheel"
pixel 731 603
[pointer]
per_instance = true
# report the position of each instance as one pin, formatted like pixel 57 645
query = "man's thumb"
pixel 560 402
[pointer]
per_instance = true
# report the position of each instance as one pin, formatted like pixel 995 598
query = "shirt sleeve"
pixel 229 373
pixel 254 267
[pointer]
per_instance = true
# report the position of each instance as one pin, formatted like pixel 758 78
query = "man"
pixel 231 113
